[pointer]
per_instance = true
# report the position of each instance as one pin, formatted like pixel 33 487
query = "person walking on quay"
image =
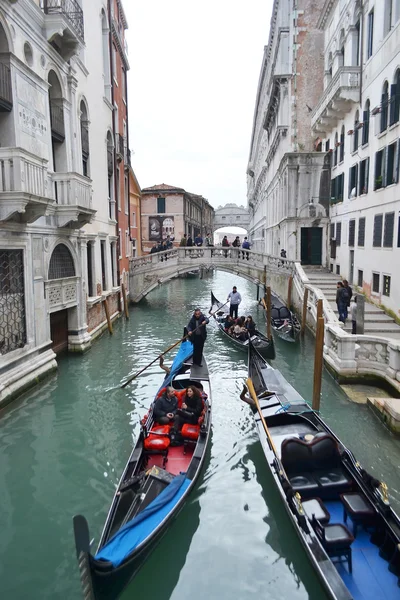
pixel 349 292
pixel 198 240
pixel 235 299
pixel 183 241
pixel 353 315
pixel 197 334
pixel 341 301
pixel 246 245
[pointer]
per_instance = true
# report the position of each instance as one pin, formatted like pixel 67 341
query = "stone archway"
pixel 231 215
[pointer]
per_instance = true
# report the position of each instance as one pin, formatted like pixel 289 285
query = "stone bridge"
pixel 231 215
pixel 149 271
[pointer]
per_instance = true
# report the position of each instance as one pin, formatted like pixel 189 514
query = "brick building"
pixel 135 208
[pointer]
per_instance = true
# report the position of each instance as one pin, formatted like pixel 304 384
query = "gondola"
pixel 153 488
pixel 284 322
pixel 264 345
pixel 341 514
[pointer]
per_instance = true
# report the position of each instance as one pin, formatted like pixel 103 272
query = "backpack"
pixel 345 295
pixel 246 245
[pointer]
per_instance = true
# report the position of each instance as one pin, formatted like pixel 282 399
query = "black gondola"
pixel 284 322
pixel 264 345
pixel 341 514
pixel 153 488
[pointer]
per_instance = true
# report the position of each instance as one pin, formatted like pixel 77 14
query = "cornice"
pixel 325 13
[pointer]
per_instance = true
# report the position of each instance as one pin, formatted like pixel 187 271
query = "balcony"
pixel 73 194
pixel 337 100
pixel 57 122
pixel 61 293
pixel 64 26
pixel 121 148
pixel 6 101
pixel 24 193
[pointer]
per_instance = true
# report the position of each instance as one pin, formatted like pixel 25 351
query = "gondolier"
pixel 197 334
pixel 235 299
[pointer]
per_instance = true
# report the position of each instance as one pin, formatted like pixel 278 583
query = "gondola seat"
pixel 190 431
pixel 314 468
pixel 336 539
pixel 358 509
pixel 314 507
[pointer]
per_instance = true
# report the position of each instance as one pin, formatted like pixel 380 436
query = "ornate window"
pixel 61 263
pixel 12 301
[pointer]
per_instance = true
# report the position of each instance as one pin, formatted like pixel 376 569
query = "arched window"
pixel 110 175
pixel 341 156
pixel 355 132
pixel 106 56
pixel 335 152
pixel 366 117
pixel 341 46
pixel 6 96
pixel 384 106
pixel 61 263
pixel 395 99
pixel 84 138
pixel 57 124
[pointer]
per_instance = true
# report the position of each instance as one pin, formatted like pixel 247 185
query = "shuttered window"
pixel 352 232
pixel 332 231
pixel 338 234
pixel 386 285
pixel 377 237
pixel 361 231
pixel 375 282
pixel 388 230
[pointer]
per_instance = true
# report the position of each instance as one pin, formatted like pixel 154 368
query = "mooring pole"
pixel 304 317
pixel 320 309
pixel 268 294
pixel 318 363
pixel 126 309
pixel 289 292
pixel 107 311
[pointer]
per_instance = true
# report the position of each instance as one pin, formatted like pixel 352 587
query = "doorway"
pixel 351 267
pixel 59 330
pixel 311 245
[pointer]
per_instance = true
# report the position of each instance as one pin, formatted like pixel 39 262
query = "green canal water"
pixel 64 445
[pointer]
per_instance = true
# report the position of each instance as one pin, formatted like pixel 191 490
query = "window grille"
pixel 61 263
pixel 12 301
pixel 361 231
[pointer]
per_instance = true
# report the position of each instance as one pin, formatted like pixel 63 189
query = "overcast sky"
pixel 192 87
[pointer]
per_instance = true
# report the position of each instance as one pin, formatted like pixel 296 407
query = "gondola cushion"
pixel 332 480
pixel 156 442
pixel 190 431
pixel 160 429
pixel 305 484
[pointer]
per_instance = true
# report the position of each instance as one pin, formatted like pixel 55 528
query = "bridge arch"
pixel 231 215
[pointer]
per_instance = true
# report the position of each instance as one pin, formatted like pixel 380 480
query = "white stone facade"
pixel 358 121
pixel 55 120
pixel 288 178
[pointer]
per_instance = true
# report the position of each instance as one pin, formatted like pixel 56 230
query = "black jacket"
pixel 192 326
pixel 194 405
pixel 164 406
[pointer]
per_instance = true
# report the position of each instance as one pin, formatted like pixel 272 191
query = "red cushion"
pixel 160 429
pixel 180 395
pixel 160 393
pixel 190 431
pixel 156 442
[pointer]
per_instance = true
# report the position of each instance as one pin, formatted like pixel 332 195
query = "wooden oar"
pixel 185 337
pixel 218 309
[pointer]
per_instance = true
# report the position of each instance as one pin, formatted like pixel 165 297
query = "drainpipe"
pixel 115 156
pixel 294 70
pixel 361 51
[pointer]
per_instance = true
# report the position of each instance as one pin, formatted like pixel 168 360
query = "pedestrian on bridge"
pixel 235 299
pixel 198 334
pixel 246 245
pixel 183 241
pixel 198 240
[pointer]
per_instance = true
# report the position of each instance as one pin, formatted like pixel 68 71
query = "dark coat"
pixel 189 241
pixel 192 325
pixel 164 406
pixel 194 405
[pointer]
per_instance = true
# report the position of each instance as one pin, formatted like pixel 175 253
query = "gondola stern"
pixel 82 546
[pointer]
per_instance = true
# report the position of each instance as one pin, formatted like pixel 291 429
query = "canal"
pixel 64 445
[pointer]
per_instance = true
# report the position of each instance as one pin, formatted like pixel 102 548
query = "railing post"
pixel 320 309
pixel 304 315
pixel 360 314
pixel 268 302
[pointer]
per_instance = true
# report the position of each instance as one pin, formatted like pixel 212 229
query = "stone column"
pixel 360 314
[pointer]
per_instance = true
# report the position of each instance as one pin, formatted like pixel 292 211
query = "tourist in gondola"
pixel 239 330
pixel 165 407
pixel 229 322
pixel 250 325
pixel 197 334
pixel 190 411
pixel 235 299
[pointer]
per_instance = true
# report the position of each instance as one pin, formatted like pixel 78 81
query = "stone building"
pixel 58 240
pixel 358 121
pixel 135 208
pixel 169 210
pixel 288 175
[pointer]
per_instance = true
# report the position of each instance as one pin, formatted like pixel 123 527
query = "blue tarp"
pixel 139 528
pixel 185 351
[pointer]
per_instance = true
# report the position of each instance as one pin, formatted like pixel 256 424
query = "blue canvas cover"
pixel 139 528
pixel 184 353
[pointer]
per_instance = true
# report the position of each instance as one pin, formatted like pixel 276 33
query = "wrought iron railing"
pixel 121 146
pixel 5 85
pixel 70 9
pixel 12 301
pixel 57 120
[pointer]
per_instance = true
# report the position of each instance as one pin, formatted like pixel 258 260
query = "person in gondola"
pixel 190 411
pixel 235 299
pixel 229 322
pixel 250 325
pixel 197 334
pixel 240 330
pixel 165 407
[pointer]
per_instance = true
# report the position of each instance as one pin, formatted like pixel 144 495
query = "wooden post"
pixel 126 309
pixel 107 311
pixel 320 309
pixel 318 363
pixel 268 294
pixel 304 317
pixel 289 292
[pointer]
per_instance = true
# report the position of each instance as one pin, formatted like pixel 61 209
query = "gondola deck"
pixel 299 448
pixel 152 490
